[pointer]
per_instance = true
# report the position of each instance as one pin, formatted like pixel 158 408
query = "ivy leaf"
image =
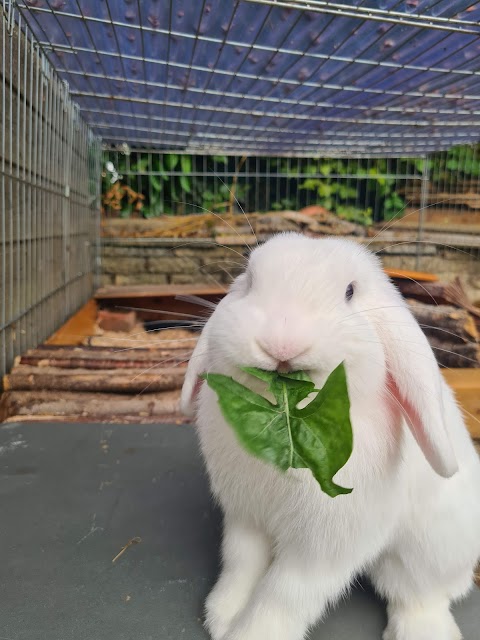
pixel 318 436
pixel 185 184
pixel 171 160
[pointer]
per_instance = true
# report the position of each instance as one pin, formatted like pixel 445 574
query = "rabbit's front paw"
pixel 265 625
pixel 423 624
pixel 223 604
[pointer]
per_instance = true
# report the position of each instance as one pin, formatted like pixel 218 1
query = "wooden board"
pixel 87 405
pixel 126 381
pixel 149 301
pixel 157 291
pixel 78 327
pixel 434 218
pixel 404 274
pixel 466 385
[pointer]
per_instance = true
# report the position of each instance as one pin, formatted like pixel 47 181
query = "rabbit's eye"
pixel 349 292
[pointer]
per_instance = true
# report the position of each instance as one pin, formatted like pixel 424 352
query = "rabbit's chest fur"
pixel 291 508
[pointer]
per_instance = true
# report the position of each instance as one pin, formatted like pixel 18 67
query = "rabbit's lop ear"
pixel 415 381
pixel 193 382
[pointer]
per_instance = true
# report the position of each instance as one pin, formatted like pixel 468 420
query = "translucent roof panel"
pixel 267 77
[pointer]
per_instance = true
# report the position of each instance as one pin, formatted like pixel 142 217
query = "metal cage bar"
pixel 283 66
pixel 49 194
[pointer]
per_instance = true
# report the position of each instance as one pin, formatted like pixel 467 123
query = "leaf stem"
pixel 289 428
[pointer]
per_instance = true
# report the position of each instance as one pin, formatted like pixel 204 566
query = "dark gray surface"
pixel 71 496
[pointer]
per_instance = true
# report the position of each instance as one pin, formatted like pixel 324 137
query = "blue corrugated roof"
pixel 269 77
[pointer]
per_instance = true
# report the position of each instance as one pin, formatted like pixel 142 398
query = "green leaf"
pixel 310 183
pixel 317 436
pixel 156 183
pixel 171 160
pixel 185 184
pixel 186 163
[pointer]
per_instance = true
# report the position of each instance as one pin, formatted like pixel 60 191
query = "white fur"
pixel 289 550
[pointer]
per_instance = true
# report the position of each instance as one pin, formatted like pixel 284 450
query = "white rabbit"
pixel 412 522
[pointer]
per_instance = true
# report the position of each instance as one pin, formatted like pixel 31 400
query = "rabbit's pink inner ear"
pixel 417 427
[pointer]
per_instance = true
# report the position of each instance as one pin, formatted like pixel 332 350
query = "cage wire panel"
pixel 270 77
pixel 49 167
pixel 284 79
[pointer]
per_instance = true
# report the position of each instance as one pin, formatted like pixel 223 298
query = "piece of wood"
pixel 116 320
pixel 97 365
pixel 78 327
pixel 160 302
pixel 470 198
pixel 95 352
pixel 454 355
pixel 87 357
pixel 405 274
pixel 439 218
pixel 157 291
pixel 466 385
pixel 432 293
pixel 128 381
pixel 178 339
pixel 438 293
pixel 161 418
pixel 51 403
pixel 445 322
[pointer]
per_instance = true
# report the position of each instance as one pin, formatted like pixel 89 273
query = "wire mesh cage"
pixel 49 163
pixel 146 109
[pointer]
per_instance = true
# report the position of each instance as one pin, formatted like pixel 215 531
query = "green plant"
pixel 284 204
pixel 341 185
pixel 171 184
pixel 318 436
pixel 358 190
pixel 460 163
pixel 354 214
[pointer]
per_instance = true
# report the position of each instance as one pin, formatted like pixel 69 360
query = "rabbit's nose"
pixel 283 351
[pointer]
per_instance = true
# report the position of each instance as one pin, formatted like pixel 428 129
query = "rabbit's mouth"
pixel 284 367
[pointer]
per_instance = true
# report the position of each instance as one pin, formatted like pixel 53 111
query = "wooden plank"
pixel 78 327
pixel 467 198
pixel 157 291
pixel 445 322
pixel 466 385
pixel 437 218
pixel 94 364
pixel 126 381
pixel 159 302
pixel 112 418
pixel 51 403
pixel 449 238
pixel 41 356
pixel 405 274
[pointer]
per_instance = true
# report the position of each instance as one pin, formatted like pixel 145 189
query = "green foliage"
pixel 347 183
pixel 318 436
pixel 171 184
pixel 358 190
pixel 459 163
pixel 284 204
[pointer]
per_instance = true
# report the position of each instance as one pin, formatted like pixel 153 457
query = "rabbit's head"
pixel 310 304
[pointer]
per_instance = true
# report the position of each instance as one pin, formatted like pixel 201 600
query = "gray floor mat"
pixel 71 496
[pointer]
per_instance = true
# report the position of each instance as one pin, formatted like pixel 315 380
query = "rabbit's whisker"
pixel 395 219
pixel 438 244
pixel 242 210
pixel 161 312
pixel 423 326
